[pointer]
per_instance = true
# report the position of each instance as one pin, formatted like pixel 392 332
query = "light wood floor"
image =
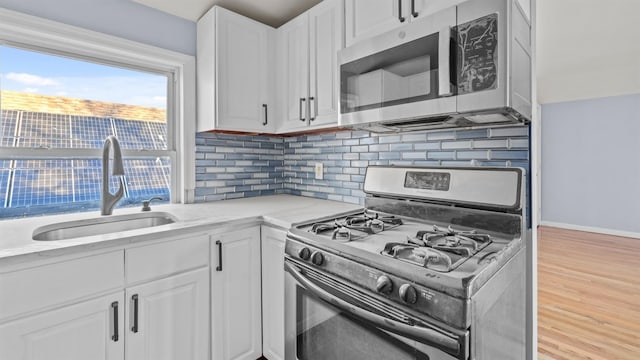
pixel 588 296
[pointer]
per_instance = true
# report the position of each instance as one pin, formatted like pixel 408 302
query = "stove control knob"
pixel 408 294
pixel 317 258
pixel 304 253
pixel 384 285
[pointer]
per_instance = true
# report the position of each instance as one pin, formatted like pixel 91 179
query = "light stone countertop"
pixel 17 246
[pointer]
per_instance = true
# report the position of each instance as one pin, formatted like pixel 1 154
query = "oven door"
pixel 327 319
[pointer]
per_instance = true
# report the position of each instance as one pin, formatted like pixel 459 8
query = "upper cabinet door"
pixel 368 18
pixel 293 49
pixel 326 33
pixel 234 60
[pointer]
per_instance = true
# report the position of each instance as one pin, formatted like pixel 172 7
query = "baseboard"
pixel 598 230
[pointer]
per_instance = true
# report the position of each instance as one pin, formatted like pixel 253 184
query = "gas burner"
pixel 423 256
pixel 362 224
pixel 371 223
pixel 438 249
pixel 339 231
pixel 464 243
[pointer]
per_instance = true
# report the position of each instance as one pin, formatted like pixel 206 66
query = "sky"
pixel 33 72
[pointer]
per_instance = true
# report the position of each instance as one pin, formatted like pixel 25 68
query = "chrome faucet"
pixel 109 200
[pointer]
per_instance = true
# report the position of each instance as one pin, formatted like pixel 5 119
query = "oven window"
pixel 324 333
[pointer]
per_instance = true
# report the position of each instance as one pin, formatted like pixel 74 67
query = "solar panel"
pixel 159 135
pixel 44 130
pixel 4 181
pixel 42 182
pixel 52 182
pixel 135 134
pixel 89 132
pixel 87 178
pixel 148 178
pixel 8 121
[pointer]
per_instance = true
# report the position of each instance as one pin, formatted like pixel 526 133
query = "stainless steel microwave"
pixel 466 66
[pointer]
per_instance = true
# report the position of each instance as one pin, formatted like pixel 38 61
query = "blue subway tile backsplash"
pixel 234 166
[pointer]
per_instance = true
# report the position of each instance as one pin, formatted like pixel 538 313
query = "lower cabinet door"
pixel 168 319
pixel 91 329
pixel 273 293
pixel 235 295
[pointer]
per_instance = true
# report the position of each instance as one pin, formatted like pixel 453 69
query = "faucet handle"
pixel 145 203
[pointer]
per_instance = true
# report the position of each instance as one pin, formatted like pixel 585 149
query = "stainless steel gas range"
pixel 432 268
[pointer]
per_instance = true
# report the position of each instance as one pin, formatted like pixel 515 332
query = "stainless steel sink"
pixel 101 225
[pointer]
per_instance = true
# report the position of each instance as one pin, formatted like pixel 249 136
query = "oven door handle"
pixel 446 343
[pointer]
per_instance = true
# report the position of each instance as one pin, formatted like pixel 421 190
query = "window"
pixel 62 91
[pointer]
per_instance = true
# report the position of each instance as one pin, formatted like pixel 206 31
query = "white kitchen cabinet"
pixel 273 241
pixel 85 330
pixel 236 295
pixel 293 47
pixel 168 319
pixel 64 314
pixel 234 62
pixel 368 18
pixel 309 73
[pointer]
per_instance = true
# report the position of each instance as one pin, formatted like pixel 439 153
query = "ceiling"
pixel 270 12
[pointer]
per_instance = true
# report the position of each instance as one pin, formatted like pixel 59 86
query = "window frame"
pixel 37 34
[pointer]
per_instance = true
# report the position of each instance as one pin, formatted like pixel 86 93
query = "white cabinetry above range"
pixel 368 18
pixel 307 53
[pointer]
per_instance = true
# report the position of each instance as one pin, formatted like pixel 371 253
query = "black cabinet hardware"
pixel 400 17
pixel 114 308
pixel 312 102
pixel 414 13
pixel 266 119
pixel 302 100
pixel 134 300
pixel 219 243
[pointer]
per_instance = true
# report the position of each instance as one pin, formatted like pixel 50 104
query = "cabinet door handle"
pixel 400 17
pixel 414 13
pixel 311 107
pixel 302 100
pixel 134 306
pixel 266 119
pixel 219 243
pixel 114 309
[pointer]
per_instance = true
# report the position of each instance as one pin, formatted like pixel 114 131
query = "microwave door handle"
pixel 446 343
pixel 444 67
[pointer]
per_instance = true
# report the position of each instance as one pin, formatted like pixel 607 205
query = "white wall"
pixel 591 164
pixel 587 49
pixel 122 18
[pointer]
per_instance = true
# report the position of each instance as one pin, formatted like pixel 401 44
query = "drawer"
pixel 39 287
pixel 163 259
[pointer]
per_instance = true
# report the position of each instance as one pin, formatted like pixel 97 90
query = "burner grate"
pixel 356 226
pixel 438 249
